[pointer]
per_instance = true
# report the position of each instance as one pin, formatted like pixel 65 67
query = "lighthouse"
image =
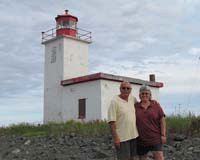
pixel 70 92
pixel 66 56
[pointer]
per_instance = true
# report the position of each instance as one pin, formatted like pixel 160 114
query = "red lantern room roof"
pixel 66 25
pixel 66 16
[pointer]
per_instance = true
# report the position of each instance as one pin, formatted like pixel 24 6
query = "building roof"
pixel 110 77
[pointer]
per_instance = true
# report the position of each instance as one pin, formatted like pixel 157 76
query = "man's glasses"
pixel 127 88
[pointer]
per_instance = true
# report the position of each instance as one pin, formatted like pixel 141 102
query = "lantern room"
pixel 66 25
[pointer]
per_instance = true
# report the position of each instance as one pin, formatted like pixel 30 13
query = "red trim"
pixel 66 31
pixel 104 76
pixel 66 17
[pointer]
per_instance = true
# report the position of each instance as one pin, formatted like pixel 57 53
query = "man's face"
pixel 125 89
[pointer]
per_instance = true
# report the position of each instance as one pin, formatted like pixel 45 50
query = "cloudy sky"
pixel 131 38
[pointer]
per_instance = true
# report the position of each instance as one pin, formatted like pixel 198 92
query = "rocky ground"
pixel 72 147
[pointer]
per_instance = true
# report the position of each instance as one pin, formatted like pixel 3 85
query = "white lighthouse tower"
pixel 66 56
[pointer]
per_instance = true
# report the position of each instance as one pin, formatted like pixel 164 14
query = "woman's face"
pixel 144 96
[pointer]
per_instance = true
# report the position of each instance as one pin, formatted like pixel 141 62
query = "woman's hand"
pixel 117 143
pixel 163 139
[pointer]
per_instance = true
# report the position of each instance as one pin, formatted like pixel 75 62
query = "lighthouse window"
pixel 53 55
pixel 59 25
pixel 82 108
pixel 66 24
pixel 72 24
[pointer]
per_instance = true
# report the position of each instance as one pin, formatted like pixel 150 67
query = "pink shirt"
pixel 148 122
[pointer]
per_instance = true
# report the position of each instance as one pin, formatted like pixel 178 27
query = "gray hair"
pixel 145 88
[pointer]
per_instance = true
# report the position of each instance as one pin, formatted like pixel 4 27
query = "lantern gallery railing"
pixel 81 34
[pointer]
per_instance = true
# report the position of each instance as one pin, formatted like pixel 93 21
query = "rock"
pixel 92 143
pixel 72 135
pixel 196 150
pixel 98 154
pixel 168 148
pixel 190 148
pixel 179 137
pixel 74 147
pixel 28 142
pixel 16 151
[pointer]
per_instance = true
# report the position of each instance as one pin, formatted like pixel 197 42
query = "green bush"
pixel 92 128
pixel 188 124
pixel 194 127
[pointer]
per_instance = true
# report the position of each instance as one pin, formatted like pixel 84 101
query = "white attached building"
pixel 69 91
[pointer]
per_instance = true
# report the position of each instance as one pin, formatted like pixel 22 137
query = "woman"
pixel 151 125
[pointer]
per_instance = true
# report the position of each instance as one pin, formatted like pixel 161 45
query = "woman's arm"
pixel 163 129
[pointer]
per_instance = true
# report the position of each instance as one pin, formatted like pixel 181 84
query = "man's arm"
pixel 114 134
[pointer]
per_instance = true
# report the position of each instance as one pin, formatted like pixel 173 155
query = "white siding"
pixel 109 89
pixel 75 58
pixel 53 73
pixel 88 90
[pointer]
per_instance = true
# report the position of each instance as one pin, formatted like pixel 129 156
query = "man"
pixel 122 120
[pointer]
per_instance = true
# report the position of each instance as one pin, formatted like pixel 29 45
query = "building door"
pixel 82 108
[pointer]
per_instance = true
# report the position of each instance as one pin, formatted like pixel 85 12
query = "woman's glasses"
pixel 145 93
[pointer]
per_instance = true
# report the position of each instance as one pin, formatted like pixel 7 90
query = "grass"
pixel 177 124
pixel 94 128
pixel 189 125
